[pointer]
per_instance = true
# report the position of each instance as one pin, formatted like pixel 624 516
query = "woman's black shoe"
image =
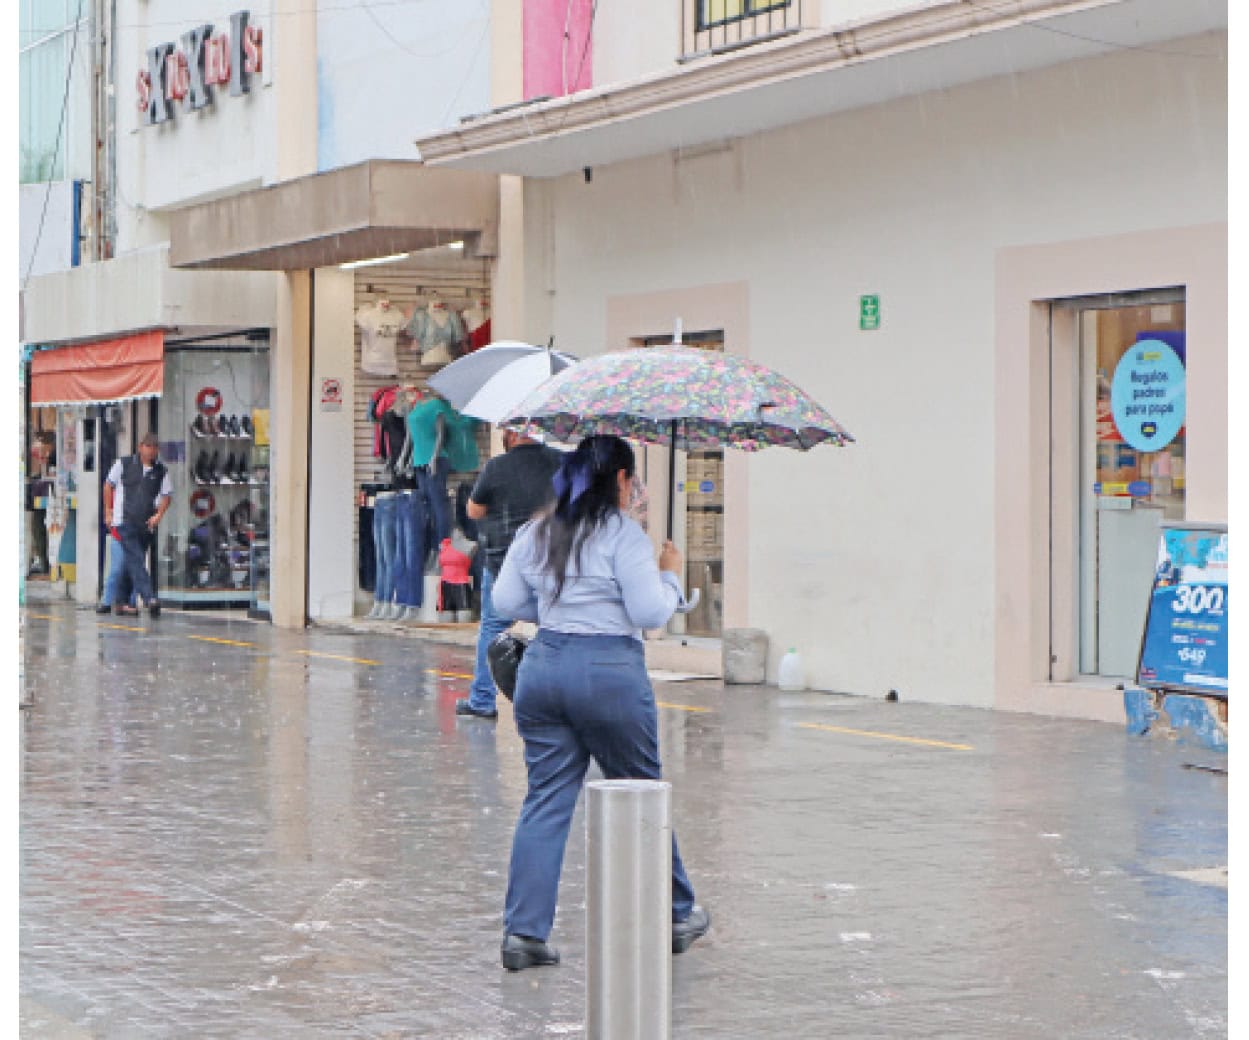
pixel 520 952
pixel 693 927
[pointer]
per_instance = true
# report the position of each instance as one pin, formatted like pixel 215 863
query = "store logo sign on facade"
pixel 188 74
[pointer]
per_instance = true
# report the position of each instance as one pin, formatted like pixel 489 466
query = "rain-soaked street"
pixel 229 830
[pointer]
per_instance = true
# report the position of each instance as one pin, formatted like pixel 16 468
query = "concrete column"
pixel 332 570
pixel 87 547
pixel 288 433
pixel 295 82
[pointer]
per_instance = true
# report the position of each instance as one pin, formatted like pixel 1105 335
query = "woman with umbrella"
pixel 587 574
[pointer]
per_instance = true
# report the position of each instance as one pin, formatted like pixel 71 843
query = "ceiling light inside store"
pixel 377 260
pixel 455 245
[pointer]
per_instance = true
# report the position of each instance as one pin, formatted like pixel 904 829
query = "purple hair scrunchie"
pixel 573 476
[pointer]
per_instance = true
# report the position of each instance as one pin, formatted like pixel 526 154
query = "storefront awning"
pixel 373 209
pixel 99 373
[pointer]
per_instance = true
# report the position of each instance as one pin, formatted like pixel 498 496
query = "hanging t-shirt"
pixel 379 327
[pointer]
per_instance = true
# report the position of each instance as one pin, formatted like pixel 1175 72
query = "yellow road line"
pixel 886 736
pixel 124 628
pixel 337 657
pixel 214 639
pixel 681 707
pixel 449 675
pixel 44 617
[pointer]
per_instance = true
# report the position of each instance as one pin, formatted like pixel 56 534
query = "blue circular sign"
pixel 1147 395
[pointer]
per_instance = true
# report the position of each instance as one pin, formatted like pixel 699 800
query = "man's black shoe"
pixel 104 608
pixel 154 608
pixel 693 927
pixel 520 952
pixel 465 707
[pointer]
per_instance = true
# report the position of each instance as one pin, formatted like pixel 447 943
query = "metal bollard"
pixel 628 910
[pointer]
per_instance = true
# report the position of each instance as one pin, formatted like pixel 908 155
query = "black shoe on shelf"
pixel 200 471
pixel 693 927
pixel 227 470
pixel 520 952
pixel 465 707
pixel 236 425
pixel 200 427
pixel 245 425
pixel 241 470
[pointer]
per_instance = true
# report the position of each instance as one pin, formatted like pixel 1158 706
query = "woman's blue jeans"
pixel 577 697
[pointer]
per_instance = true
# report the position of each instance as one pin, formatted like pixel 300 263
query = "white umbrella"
pixel 489 383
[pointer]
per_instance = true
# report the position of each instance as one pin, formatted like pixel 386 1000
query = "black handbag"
pixel 504 654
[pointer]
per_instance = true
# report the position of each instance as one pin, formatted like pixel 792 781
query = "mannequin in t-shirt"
pixel 380 323
pixel 437 332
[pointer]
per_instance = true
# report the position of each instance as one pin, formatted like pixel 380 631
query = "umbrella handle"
pixel 691 602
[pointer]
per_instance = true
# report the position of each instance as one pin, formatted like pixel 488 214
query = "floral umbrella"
pixel 689 398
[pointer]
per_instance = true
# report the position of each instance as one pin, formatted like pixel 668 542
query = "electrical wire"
pixel 368 9
pixel 472 63
pixel 292 13
pixel 56 148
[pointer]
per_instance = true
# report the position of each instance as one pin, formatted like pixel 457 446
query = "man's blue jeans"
pixel 577 697
pixel 482 693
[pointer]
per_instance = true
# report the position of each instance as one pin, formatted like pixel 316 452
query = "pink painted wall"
pixel 550 61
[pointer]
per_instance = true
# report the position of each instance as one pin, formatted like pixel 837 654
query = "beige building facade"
pixel 1004 188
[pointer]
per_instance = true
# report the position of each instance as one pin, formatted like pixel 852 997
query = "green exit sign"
pixel 869 312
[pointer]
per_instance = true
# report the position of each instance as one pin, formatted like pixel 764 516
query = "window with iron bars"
pixel 719 12
pixel 716 26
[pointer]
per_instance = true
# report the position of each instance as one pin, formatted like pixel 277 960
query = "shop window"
pixel 213 547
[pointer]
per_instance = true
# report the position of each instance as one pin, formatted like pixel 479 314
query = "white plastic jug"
pixel 791 674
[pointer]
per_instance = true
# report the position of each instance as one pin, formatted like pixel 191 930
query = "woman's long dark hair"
pixel 586 494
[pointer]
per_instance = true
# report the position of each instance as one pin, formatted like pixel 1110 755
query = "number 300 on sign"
pixel 1197 599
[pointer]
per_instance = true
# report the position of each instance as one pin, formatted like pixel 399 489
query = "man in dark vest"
pixel 136 495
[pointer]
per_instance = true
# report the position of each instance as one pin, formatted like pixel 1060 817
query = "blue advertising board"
pixel 1185 642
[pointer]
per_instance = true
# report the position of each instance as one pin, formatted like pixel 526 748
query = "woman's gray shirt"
pixel 617 588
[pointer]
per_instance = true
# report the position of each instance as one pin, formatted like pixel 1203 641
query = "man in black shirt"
pixel 512 487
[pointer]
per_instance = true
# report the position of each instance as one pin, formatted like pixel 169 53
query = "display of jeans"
pixel 431 481
pixel 368 551
pixel 411 519
pixel 386 547
pixel 481 694
pixel 135 540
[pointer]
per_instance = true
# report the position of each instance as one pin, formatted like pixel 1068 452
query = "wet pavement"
pixel 233 831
